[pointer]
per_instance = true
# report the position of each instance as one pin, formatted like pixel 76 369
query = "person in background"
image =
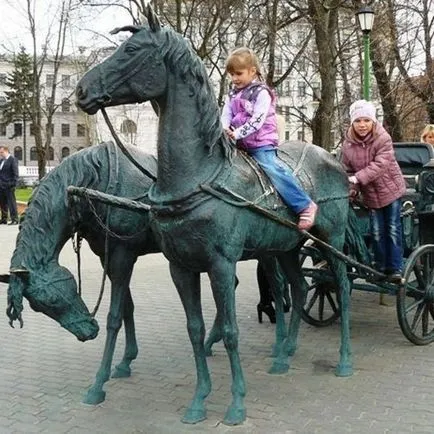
pixel 8 182
pixel 369 158
pixel 427 135
pixel 249 118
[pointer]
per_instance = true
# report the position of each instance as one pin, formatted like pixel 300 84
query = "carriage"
pixel 415 296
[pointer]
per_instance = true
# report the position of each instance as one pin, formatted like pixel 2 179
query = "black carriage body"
pixel 415 294
pixel 417 164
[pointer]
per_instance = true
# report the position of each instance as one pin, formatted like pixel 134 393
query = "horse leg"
pixel 131 350
pixel 222 275
pixel 96 394
pixel 339 269
pixel 215 335
pixel 271 268
pixel 188 285
pixel 291 265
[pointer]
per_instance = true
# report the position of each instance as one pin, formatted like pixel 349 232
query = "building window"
pixel 3 79
pixel 49 103
pixel 66 80
pixel 65 130
pixel 316 91
pixel 51 153
pixel 2 129
pixel 300 136
pixel 18 153
pixel 50 129
pixel 301 89
pixel 66 105
pixel 128 127
pixel 278 65
pixel 81 130
pixel 49 80
pixel 302 64
pixel 33 154
pixel 18 129
pixel 301 36
pixel 65 152
pixel 287 112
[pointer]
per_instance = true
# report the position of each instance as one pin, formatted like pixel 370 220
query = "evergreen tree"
pixel 20 95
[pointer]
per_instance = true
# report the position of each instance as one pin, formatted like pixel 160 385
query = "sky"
pixel 90 28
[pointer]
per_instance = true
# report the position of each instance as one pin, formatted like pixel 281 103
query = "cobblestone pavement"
pixel 45 371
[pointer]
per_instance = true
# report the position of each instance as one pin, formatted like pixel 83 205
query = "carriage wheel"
pixel 415 299
pixel 322 303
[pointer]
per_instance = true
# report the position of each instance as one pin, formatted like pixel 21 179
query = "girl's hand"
pixel 230 134
pixel 353 180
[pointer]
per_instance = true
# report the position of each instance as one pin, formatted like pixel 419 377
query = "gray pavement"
pixel 45 371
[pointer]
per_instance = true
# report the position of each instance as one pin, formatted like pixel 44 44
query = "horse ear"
pixel 5 278
pixel 154 22
pixel 132 29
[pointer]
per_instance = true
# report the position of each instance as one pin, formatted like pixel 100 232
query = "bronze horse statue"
pixel 210 206
pixel 117 236
pixel 49 222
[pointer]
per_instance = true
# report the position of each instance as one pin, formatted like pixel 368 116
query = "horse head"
pixel 54 293
pixel 135 73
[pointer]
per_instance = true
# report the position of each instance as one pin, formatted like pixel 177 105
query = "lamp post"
pixel 365 16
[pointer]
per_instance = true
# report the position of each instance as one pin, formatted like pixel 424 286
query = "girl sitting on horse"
pixel 249 118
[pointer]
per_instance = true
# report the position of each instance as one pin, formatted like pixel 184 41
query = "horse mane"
pixel 191 69
pixel 35 239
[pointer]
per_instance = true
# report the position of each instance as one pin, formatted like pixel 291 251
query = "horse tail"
pixel 354 240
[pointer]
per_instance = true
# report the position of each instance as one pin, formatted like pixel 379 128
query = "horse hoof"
pixel 279 368
pixel 94 397
pixel 235 416
pixel 208 352
pixel 193 416
pixel 121 372
pixel 344 371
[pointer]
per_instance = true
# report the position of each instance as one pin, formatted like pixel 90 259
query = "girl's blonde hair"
pixel 242 58
pixel 429 129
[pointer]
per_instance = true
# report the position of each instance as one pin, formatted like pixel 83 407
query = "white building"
pixel 70 129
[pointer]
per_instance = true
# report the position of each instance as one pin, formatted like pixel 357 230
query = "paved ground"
pixel 45 371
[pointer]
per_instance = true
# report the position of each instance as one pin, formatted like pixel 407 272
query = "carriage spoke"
pixel 417 315
pixel 312 301
pixel 413 290
pixel 321 307
pixel 431 310
pixel 419 276
pixel 332 302
pixel 425 320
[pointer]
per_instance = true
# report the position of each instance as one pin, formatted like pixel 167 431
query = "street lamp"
pixel 365 16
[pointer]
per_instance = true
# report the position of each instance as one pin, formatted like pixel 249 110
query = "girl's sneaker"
pixel 307 217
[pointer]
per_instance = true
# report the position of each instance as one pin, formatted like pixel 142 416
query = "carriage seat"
pixel 412 157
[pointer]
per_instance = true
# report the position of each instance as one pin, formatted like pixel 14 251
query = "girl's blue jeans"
pixel 282 179
pixel 387 237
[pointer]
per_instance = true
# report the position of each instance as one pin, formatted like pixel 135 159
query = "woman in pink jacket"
pixel 368 156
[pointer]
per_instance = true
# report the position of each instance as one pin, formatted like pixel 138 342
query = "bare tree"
pixel 412 35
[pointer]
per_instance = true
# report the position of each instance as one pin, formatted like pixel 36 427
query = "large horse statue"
pixel 48 224
pixel 211 207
